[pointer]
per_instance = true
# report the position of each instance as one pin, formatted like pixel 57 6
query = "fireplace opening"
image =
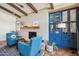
pixel 32 34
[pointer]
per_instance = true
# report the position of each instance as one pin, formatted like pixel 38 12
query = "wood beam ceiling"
pixel 17 8
pixel 9 11
pixel 20 5
pixel 52 7
pixel 32 7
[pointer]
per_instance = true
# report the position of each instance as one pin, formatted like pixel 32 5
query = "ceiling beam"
pixel 32 7
pixel 9 11
pixel 52 7
pixel 17 8
pixel 20 5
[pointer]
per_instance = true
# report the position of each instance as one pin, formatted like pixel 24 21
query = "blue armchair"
pixel 11 38
pixel 31 49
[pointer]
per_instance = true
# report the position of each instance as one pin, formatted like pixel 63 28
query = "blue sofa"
pixel 30 49
pixel 11 38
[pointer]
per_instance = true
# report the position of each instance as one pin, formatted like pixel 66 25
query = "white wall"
pixel 42 18
pixel 7 23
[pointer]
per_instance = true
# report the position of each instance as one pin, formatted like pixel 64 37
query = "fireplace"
pixel 32 34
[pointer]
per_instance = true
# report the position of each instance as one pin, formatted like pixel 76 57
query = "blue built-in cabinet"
pixel 64 37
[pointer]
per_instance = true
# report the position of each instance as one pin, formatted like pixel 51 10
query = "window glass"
pixel 64 16
pixel 65 29
pixel 73 27
pixel 51 18
pixel 51 27
pixel 73 15
pixel 57 17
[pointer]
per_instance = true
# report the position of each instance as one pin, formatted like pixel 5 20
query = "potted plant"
pixel 49 47
pixel 54 46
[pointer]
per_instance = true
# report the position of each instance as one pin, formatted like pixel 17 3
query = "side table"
pixel 22 40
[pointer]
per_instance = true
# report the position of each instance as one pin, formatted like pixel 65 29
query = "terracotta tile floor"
pixel 61 52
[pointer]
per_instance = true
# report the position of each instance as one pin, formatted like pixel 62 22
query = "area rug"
pixel 12 51
pixel 8 51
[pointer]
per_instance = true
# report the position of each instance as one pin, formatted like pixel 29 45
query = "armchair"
pixel 11 38
pixel 31 49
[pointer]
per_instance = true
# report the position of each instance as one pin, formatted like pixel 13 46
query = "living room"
pixel 28 25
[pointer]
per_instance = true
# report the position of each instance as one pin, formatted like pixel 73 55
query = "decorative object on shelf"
pixel 35 23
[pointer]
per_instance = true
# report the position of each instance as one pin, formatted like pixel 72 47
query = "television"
pixel 32 34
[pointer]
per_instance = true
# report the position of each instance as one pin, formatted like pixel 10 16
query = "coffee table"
pixel 26 40
pixel 23 40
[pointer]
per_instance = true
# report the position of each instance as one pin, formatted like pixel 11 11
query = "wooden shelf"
pixel 31 27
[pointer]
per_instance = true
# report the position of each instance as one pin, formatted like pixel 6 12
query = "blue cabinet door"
pixel 66 42
pixel 55 33
pixel 58 31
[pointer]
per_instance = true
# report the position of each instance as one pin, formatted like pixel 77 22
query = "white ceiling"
pixel 38 6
